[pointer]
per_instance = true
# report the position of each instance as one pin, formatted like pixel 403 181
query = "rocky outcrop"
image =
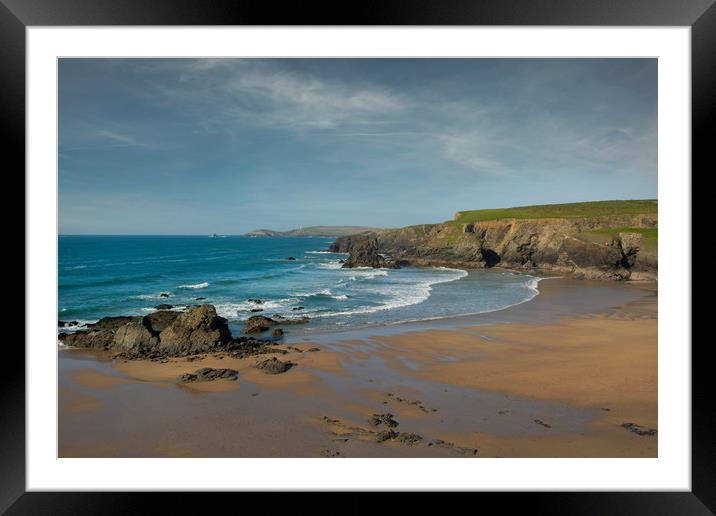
pixel 164 333
pixel 113 323
pixel 197 330
pixel 92 339
pixel 135 338
pixel 365 252
pixel 563 246
pixel 160 321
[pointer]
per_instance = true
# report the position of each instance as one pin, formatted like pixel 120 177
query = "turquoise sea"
pixel 124 275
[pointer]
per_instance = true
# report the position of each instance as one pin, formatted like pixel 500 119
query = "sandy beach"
pixel 572 373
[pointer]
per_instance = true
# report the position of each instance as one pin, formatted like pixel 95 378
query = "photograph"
pixel 357 257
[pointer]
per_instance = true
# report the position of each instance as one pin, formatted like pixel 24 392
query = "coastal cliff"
pixel 617 245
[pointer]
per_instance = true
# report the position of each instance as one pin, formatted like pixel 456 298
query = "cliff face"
pixel 563 246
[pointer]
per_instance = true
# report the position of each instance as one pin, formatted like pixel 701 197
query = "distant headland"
pixel 314 231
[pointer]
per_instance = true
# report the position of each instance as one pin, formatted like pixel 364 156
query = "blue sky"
pixel 196 146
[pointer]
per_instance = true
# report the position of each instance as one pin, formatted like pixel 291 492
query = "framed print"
pixel 273 252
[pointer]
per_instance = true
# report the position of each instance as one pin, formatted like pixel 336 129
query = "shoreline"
pixel 447 380
pixel 537 275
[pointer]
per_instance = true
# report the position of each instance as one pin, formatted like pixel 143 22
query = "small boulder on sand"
pixel 274 366
pixel 207 374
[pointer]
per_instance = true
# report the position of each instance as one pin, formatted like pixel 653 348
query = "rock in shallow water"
pixel 259 323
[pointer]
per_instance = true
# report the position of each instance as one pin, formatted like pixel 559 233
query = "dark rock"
pixel 159 321
pixel 290 258
pixel 298 320
pixel 243 347
pixel 274 366
pixel 199 298
pixel 186 377
pixel 383 419
pixel 255 301
pixel 163 307
pixel 62 324
pixel 364 252
pixel 278 332
pixel 257 309
pixel 542 423
pixel 385 435
pixel 197 330
pixel 164 294
pixel 94 339
pixel 258 323
pixel 312 350
pixel 409 439
pixel 297 308
pixel 135 338
pixel 113 323
pixel 207 374
pixel 639 430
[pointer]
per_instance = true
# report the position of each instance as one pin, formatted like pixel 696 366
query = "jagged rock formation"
pixel 562 246
pixel 197 330
pixel 170 334
pixel 365 252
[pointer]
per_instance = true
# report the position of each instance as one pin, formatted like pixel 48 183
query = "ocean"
pixel 127 275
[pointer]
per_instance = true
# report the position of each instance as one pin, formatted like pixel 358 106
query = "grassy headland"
pixel 561 211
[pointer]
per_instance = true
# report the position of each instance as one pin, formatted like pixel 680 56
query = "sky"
pixel 200 146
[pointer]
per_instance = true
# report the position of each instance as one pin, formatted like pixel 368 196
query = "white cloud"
pixel 227 94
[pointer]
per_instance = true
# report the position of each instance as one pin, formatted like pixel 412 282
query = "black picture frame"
pixel 17 15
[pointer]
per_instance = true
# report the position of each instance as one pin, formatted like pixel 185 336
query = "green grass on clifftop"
pixel 561 211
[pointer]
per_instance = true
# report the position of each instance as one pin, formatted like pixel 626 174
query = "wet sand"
pixel 555 377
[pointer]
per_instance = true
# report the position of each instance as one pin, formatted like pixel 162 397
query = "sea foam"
pixel 196 286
